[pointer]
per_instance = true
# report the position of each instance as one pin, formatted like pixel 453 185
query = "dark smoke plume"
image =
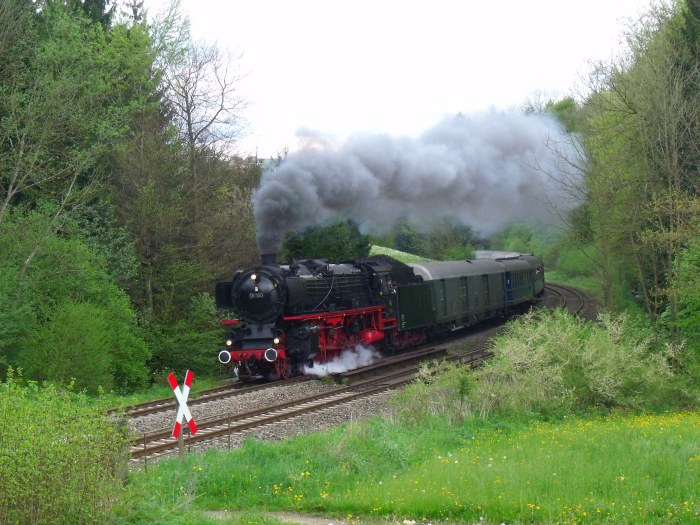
pixel 487 171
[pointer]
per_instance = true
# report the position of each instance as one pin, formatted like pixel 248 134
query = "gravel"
pixel 352 411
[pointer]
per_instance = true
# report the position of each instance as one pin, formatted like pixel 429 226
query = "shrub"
pixel 71 347
pixel 61 456
pixel 65 306
pixel 552 363
pixel 16 317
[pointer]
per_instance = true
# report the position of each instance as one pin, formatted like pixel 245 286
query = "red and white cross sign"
pixel 182 409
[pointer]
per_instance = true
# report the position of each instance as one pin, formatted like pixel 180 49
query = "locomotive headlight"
pixel 253 277
pixel 276 340
pixel 229 342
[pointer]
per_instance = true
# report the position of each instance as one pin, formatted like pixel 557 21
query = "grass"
pixel 617 469
pixel 636 469
pixel 397 254
pixel 590 285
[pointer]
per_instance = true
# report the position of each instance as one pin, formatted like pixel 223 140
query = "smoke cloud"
pixel 487 171
pixel 347 360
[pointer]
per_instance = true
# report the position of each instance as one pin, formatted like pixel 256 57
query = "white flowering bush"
pixel 547 363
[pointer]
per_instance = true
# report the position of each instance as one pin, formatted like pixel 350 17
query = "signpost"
pixel 182 410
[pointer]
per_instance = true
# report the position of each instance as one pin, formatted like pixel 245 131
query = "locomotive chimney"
pixel 268 258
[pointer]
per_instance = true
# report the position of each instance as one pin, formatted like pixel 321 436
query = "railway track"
pixel 213 394
pixel 203 396
pixel 153 445
pixel 384 375
pixel 571 299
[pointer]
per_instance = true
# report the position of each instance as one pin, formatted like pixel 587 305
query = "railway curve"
pixel 307 405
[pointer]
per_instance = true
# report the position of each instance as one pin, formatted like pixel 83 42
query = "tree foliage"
pixel 444 239
pixel 641 188
pixel 341 241
pixel 96 156
pixel 72 321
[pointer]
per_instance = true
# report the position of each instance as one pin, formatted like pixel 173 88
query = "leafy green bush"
pixel 552 363
pixel 16 316
pixel 61 456
pixel 64 308
pixel 71 347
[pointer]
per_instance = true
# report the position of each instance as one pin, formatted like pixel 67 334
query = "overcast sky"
pixel 339 67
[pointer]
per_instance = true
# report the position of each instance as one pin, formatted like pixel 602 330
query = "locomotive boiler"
pixel 307 312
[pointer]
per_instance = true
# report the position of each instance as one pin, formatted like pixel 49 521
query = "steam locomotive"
pixel 307 312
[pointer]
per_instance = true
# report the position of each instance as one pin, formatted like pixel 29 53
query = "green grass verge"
pixel 616 469
pixel 396 254
pixel 590 285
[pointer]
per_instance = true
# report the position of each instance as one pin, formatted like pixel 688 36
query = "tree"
pixel 408 239
pixel 133 11
pixel 341 241
pixel 15 25
pixel 643 144
pixel 95 10
pixel 63 108
pixel 201 94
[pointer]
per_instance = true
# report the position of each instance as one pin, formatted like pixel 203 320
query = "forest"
pixel 123 200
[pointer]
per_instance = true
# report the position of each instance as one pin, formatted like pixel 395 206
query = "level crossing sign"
pixel 181 396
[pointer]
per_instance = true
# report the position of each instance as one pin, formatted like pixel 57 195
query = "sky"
pixel 338 68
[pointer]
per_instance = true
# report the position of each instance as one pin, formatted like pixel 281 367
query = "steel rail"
pixel 161 442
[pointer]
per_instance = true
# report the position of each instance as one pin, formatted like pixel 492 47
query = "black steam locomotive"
pixel 309 311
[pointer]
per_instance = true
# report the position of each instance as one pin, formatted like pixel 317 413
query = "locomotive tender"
pixel 309 311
